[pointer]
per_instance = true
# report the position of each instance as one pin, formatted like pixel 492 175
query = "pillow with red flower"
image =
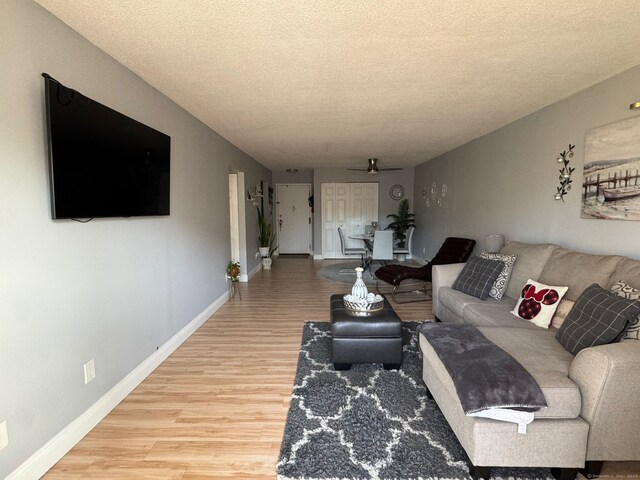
pixel 538 303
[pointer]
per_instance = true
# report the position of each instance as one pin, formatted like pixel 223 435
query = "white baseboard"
pixel 244 278
pixel 255 270
pixel 56 448
pixel 318 256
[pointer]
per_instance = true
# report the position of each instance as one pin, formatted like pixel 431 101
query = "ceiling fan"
pixel 372 169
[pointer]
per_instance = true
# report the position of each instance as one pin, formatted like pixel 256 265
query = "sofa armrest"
pixel 443 276
pixel 609 380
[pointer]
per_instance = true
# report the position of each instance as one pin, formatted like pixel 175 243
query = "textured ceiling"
pixel 300 83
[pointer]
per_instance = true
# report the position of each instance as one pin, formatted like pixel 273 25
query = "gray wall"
pixel 504 182
pixel 303 175
pixel 386 206
pixel 112 289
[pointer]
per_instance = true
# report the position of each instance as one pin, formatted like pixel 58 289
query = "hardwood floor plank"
pixel 216 408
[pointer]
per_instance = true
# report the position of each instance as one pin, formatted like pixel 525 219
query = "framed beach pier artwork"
pixel 611 175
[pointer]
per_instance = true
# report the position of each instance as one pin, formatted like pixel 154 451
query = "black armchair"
pixel 453 250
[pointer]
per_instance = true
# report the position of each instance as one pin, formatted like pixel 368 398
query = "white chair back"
pixel 382 245
pixel 343 244
pixel 408 241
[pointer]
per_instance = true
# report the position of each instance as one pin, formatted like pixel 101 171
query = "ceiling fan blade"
pixel 358 169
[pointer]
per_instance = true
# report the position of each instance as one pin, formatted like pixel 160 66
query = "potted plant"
pixel 402 221
pixel 233 271
pixel 266 240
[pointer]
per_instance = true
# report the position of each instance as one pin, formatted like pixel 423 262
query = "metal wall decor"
pixel 434 195
pixel 254 195
pixel 565 173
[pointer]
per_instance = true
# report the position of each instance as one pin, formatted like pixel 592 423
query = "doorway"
pixel 293 215
pixel 234 229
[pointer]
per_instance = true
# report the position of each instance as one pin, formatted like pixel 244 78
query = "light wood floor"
pixel 216 408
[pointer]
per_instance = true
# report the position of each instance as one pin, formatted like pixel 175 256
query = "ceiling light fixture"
pixel 292 170
pixel 634 105
pixel 372 169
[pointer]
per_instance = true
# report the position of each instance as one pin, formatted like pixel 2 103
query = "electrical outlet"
pixel 89 371
pixel 424 250
pixel 4 435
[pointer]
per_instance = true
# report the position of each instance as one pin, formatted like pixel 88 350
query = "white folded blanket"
pixel 506 415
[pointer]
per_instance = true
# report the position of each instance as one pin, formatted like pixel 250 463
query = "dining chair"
pixel 453 250
pixel 382 246
pixel 407 244
pixel 350 251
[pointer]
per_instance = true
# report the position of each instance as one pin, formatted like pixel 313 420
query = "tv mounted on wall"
pixel 101 162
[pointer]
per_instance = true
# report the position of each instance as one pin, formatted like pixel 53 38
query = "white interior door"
pixel 293 223
pixel 350 206
pixel 371 201
pixel 330 245
pixel 357 218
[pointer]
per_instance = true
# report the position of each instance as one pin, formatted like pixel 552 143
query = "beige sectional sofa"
pixel 593 398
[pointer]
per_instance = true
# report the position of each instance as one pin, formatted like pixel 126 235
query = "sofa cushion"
pixel 544 358
pixel 495 314
pixel 531 261
pixel 456 301
pixel 578 270
pixel 597 318
pixel 538 302
pixel 624 290
pixel 500 285
pixel 627 270
pixel 478 276
pixel 537 351
pixel 551 441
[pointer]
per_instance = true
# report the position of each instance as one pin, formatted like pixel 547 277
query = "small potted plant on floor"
pixel 402 221
pixel 233 271
pixel 266 240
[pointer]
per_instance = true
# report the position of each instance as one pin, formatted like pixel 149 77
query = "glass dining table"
pixel 367 258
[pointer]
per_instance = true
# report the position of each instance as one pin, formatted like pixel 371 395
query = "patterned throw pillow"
pixel 538 303
pixel 500 285
pixel 598 317
pixel 564 307
pixel 623 289
pixel 478 276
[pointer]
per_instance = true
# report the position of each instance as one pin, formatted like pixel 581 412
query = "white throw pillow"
pixel 538 303
pixel 500 285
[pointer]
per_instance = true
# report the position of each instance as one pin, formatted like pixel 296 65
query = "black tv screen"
pixel 101 162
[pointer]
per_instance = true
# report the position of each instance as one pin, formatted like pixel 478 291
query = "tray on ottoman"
pixel 375 338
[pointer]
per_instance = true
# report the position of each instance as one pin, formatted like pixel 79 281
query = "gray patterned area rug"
pixel 370 423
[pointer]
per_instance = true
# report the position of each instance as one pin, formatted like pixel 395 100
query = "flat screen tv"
pixel 101 162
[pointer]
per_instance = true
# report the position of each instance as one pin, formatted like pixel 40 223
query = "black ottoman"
pixel 376 338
